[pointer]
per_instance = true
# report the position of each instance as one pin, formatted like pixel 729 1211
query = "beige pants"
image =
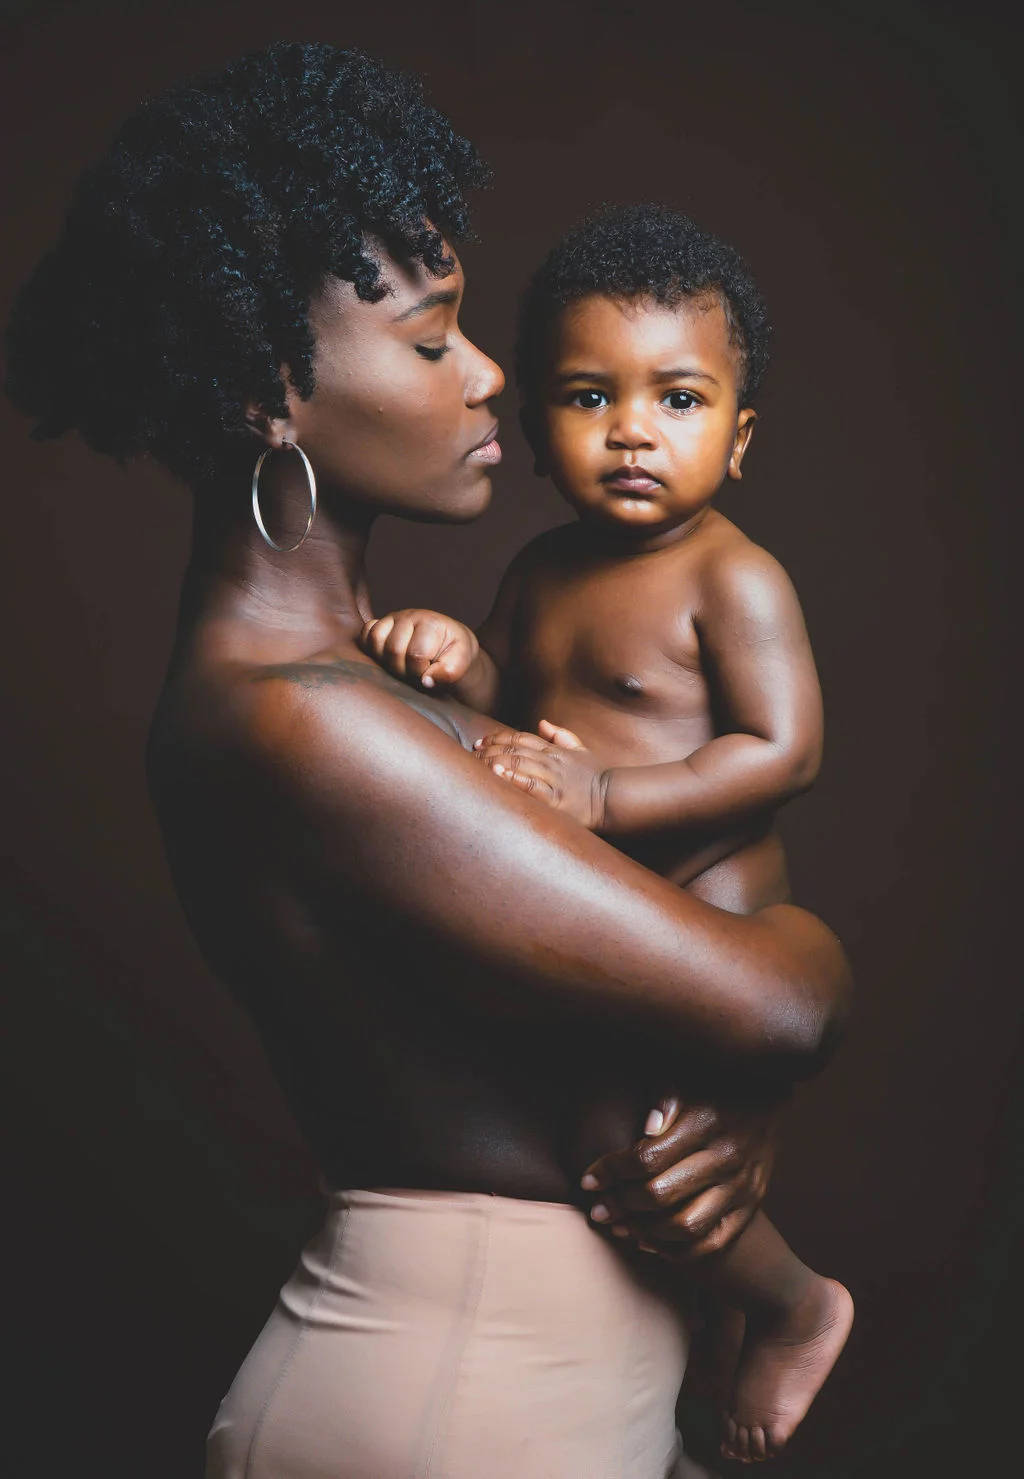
pixel 458 1335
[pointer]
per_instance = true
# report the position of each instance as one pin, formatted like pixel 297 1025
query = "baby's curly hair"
pixel 640 251
pixel 181 280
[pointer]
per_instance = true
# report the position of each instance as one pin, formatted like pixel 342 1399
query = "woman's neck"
pixel 263 606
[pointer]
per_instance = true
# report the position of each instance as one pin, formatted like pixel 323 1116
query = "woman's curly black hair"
pixel 182 277
pixel 640 251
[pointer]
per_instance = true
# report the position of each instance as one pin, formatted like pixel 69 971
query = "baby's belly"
pixel 646 732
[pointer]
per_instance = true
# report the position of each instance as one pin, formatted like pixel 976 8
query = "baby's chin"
pixel 629 514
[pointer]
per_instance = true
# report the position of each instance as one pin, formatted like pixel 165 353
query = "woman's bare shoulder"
pixel 343 716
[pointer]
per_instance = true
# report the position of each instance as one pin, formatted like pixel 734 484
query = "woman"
pixel 467 997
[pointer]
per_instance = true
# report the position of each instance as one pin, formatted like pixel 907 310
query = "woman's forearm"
pixel 537 914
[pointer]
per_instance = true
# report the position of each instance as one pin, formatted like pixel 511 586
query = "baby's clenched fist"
pixel 422 647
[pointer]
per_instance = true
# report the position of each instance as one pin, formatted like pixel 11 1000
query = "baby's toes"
pixel 728 1436
pixel 741 1444
pixel 758 1445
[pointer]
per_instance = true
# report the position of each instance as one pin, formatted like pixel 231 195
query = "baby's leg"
pixel 796 1325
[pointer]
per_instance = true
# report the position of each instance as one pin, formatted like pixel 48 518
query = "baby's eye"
pixel 681 400
pixel 430 351
pixel 588 400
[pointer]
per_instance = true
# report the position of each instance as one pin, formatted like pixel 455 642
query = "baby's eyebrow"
pixel 684 374
pixel 659 375
pixel 568 375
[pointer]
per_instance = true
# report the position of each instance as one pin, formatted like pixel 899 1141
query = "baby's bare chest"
pixel 617 654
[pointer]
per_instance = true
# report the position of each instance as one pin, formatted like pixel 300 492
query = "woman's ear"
pixel 744 431
pixel 270 430
pixel 529 424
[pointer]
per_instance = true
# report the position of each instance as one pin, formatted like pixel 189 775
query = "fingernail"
pixel 427 682
pixel 477 744
pixel 499 770
pixel 599 1212
pixel 590 1183
pixel 655 1120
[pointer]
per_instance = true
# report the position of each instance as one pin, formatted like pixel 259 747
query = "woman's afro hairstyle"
pixel 181 281
pixel 640 251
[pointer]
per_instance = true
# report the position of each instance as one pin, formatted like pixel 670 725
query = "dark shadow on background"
pixel 866 160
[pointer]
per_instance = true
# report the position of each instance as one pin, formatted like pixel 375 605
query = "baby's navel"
pixel 629 683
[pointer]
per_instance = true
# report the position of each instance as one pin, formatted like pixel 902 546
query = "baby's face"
pixel 641 420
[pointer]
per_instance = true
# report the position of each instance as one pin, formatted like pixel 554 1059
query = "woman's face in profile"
pixel 399 418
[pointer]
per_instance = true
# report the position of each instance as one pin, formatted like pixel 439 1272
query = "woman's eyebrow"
pixel 432 300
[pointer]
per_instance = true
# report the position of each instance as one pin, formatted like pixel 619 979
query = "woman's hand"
pixel 689 1188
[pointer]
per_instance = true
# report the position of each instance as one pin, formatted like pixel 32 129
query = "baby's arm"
pixel 761 673
pixel 437 651
pixel 765 690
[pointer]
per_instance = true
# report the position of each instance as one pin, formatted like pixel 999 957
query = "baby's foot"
pixel 781 1370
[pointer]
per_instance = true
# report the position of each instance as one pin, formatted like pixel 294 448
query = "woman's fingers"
pixel 706 1226
pixel 663 1116
pixel 692 1131
pixel 679 1184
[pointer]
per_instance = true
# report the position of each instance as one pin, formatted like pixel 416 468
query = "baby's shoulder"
pixel 732 571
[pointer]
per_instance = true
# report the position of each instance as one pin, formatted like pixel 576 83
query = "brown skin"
pixel 676 648
pixel 452 1031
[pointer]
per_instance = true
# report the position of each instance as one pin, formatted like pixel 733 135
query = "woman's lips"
pixel 490 452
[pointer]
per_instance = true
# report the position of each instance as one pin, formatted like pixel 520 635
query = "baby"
pixel 654 660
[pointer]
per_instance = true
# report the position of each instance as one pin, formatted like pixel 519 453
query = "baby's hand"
pixel 563 773
pixel 420 646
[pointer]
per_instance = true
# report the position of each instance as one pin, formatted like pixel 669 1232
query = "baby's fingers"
pixel 374 634
pixel 527 771
pixel 427 645
pixel 510 740
pixel 396 644
pixel 448 666
pixel 555 734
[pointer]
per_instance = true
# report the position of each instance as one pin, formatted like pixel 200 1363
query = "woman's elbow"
pixel 803 1019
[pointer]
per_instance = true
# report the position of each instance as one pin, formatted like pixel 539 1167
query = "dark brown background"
pixel 866 161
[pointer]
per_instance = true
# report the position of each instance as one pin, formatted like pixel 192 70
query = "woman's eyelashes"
pixel 432 351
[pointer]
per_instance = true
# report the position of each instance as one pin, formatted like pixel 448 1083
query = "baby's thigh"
pixel 751 878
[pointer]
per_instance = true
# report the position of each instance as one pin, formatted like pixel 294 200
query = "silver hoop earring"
pixel 283 549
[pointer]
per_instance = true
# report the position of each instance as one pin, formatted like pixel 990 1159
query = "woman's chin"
pixel 459 506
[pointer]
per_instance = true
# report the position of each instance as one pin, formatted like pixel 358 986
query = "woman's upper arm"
pixel 561 918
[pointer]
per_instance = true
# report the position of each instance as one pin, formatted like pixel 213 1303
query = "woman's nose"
pixel 485 379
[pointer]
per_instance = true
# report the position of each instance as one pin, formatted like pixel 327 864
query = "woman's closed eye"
pixel 432 351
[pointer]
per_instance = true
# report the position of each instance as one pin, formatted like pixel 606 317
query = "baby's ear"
pixel 529 424
pixel 744 431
